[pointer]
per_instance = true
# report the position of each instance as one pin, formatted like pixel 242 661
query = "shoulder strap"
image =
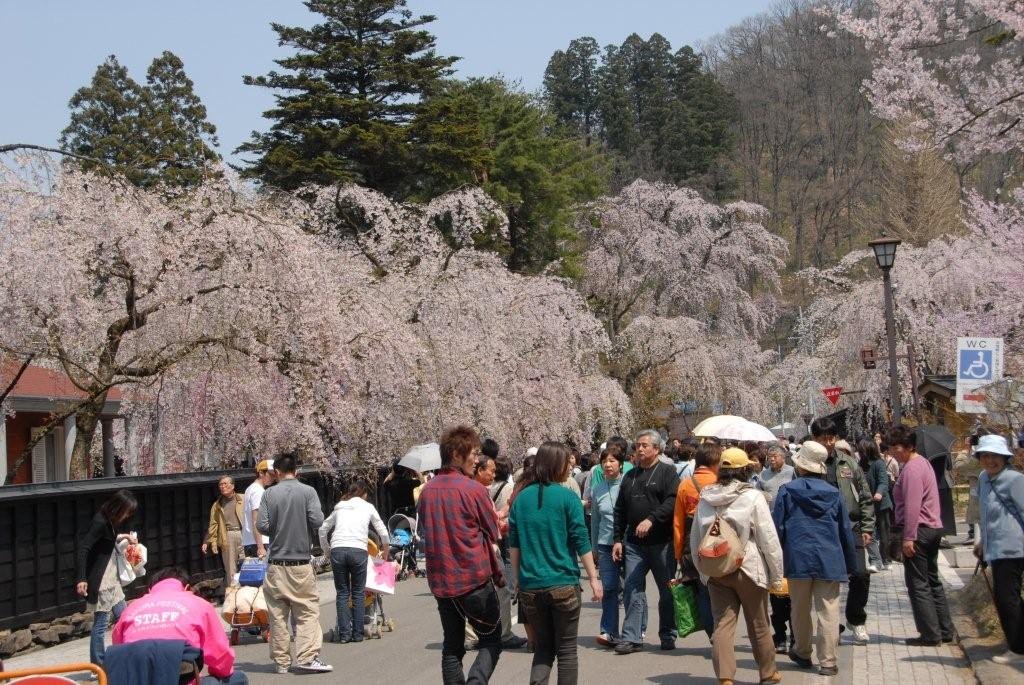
pixel 697 486
pixel 494 498
pixel 1009 506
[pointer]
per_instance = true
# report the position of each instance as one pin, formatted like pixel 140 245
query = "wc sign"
pixel 979 362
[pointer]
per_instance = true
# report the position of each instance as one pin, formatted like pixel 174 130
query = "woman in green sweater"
pixel 546 535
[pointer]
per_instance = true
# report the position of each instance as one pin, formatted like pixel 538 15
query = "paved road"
pixel 412 653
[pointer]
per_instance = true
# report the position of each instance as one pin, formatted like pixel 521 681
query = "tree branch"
pixel 14 382
pixel 28 146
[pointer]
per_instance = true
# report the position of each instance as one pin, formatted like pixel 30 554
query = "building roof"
pixel 42 383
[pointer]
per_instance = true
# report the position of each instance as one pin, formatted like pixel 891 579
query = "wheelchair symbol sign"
pixel 975 365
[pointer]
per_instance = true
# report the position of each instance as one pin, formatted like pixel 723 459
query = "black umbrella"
pixel 934 441
pixel 934 444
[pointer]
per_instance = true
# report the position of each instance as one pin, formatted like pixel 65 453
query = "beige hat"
pixel 844 446
pixel 811 457
pixel 734 458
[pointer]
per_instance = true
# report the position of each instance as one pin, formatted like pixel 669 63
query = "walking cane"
pixel 980 566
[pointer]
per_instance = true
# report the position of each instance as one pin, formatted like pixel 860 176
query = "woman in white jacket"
pixel 350 522
pixel 745 509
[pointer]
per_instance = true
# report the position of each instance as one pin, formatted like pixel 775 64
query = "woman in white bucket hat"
pixel 1001 499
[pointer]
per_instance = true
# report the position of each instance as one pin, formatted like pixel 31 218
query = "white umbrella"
pixel 711 425
pixel 743 430
pixel 422 458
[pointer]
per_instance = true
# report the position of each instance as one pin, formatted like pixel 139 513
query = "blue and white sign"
pixel 979 363
pixel 975 365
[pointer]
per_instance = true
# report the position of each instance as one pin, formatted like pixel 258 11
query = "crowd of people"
pixel 772 531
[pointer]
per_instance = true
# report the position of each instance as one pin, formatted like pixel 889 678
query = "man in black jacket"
pixel 643 536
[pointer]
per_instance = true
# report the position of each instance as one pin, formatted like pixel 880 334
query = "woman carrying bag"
pixel 733 507
pixel 1001 501
pixel 546 535
pixel 874 468
pixel 98 578
pixel 350 522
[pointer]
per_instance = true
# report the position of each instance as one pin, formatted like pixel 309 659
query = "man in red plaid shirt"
pixel 460 534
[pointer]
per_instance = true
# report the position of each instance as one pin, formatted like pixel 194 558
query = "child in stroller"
pixel 402 530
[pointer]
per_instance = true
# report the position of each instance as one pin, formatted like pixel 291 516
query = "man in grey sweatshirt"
pixel 288 512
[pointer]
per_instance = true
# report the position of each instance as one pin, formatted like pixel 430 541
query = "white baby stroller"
pixel 402 531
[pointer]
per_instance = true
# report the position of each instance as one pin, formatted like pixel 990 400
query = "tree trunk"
pixel 86 420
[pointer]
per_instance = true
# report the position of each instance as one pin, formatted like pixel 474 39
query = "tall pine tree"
pixel 157 133
pixel 348 93
pixel 179 134
pixel 570 82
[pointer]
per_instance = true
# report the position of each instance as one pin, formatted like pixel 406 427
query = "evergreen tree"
pixel 662 115
pixel 178 132
pixel 537 173
pixel 349 93
pixel 105 123
pixel 150 134
pixel 570 83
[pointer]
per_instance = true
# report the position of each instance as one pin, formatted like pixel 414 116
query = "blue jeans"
pixel 609 571
pixel 660 561
pixel 100 622
pixel 349 566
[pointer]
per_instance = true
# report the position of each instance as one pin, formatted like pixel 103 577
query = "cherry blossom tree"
pixel 684 288
pixel 966 285
pixel 331 320
pixel 951 69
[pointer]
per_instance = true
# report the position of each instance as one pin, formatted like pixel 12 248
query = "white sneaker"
pixel 282 669
pixel 315 666
pixel 872 568
pixel 860 635
pixel 1008 657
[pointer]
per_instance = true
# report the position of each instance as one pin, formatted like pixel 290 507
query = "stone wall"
pixel 40 635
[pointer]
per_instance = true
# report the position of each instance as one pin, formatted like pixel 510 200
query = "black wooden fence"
pixel 41 527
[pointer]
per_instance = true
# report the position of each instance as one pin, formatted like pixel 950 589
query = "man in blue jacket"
pixel 817 555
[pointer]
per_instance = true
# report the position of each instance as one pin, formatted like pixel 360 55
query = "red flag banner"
pixel 833 394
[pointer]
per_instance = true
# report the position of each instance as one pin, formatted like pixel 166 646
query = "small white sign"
pixel 979 362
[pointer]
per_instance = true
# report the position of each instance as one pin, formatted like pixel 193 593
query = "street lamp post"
pixel 885 255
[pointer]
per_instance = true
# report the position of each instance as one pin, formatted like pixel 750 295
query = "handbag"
pixel 125 572
pixel 684 605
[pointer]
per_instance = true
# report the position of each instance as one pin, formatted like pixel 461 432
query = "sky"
pixel 52 47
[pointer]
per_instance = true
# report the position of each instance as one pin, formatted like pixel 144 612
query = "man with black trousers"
pixel 843 471
pixel 643 537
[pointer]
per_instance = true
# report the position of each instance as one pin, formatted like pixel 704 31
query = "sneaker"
pixel 780 647
pixel 871 568
pixel 282 670
pixel 628 647
pixel 802 662
pixel 315 666
pixel 1009 657
pixel 668 645
pixel 772 679
pixel 828 670
pixel 606 640
pixel 921 642
pixel 860 635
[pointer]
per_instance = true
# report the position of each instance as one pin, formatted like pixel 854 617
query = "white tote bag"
pixel 380 576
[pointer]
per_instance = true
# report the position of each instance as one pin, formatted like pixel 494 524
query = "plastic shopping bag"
pixel 380 576
pixel 684 602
